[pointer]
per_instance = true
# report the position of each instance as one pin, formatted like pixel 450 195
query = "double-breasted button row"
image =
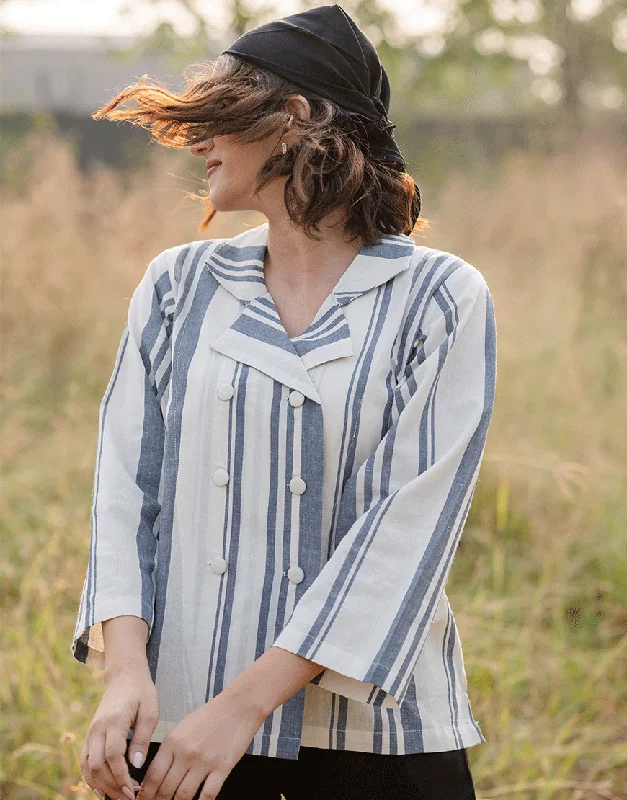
pixel 225 391
pixel 295 574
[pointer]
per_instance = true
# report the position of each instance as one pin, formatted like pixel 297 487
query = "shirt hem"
pixel 435 739
pixel 429 739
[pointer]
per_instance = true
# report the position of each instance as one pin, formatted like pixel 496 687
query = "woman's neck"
pixel 300 263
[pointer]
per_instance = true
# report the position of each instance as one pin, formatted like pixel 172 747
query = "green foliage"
pixel 553 41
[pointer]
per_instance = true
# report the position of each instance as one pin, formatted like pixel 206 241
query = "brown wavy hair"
pixel 328 168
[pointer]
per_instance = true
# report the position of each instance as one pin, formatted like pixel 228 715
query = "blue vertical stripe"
pixel 377 730
pixel 342 713
pixel 412 721
pixel 392 728
pixel 449 669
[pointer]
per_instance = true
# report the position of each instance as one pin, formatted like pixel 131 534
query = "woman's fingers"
pixel 189 785
pixel 158 769
pixel 213 784
pixel 114 751
pixel 100 773
pixel 145 724
pixel 86 772
pixel 89 778
pixel 171 782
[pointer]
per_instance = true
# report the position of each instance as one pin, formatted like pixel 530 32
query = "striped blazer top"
pixel 253 489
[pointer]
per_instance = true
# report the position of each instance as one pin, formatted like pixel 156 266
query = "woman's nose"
pixel 200 148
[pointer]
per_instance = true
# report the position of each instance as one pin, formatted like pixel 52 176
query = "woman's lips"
pixel 211 170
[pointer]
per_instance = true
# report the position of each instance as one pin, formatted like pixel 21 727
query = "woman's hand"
pixel 204 746
pixel 130 701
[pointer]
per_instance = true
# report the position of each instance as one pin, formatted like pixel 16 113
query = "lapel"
pixel 257 336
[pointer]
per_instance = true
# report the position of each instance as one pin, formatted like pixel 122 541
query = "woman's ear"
pixel 298 106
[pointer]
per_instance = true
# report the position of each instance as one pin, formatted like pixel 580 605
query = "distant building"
pixel 75 74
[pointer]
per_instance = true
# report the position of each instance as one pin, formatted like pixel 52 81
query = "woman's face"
pixel 231 183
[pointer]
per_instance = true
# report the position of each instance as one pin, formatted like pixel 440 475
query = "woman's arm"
pixel 272 679
pixel 130 700
pixel 125 645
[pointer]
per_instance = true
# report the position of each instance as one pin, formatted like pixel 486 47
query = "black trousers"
pixel 320 774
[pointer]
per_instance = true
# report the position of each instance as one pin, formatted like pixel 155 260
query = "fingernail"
pixel 128 793
pixel 138 759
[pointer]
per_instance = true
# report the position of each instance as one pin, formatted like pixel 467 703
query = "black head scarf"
pixel 322 51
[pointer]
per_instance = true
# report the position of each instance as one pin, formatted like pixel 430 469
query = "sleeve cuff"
pixel 343 671
pixel 88 643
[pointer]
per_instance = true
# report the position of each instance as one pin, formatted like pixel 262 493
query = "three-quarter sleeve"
pixel 366 616
pixel 127 476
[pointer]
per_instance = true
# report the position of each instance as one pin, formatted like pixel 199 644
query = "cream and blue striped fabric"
pixel 253 489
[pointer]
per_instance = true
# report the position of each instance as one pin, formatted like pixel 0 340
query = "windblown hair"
pixel 329 168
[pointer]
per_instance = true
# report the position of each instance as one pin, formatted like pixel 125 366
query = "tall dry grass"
pixel 538 585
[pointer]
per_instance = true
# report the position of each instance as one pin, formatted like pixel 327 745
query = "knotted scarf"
pixel 322 51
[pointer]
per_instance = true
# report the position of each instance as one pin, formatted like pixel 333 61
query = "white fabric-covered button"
pixel 217 566
pixel 296 398
pixel 220 477
pixel 295 575
pixel 297 486
pixel 225 391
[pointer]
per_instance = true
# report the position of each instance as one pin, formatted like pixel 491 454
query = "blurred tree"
pixel 241 16
pixel 491 55
pixel 573 50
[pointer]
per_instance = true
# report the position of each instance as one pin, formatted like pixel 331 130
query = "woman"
pixel 288 448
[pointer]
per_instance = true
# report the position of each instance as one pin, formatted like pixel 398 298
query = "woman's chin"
pixel 219 201
pixel 222 202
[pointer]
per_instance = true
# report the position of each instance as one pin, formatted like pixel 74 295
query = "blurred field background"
pixel 539 583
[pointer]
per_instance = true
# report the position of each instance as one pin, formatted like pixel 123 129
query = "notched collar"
pixel 237 263
pixel 257 336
